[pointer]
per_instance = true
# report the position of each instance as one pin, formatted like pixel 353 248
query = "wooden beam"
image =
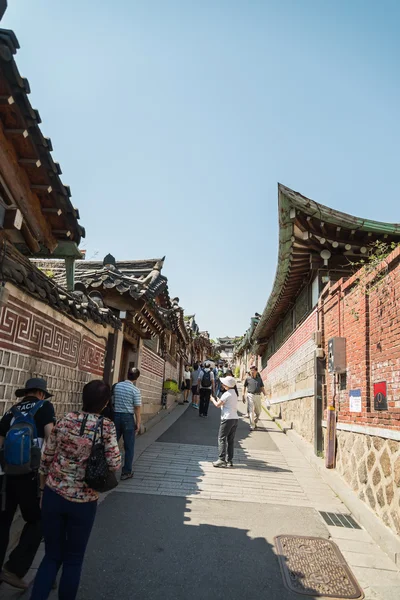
pixel 54 211
pixel 11 218
pixel 16 132
pixel 7 100
pixel 65 232
pixel 30 161
pixel 41 188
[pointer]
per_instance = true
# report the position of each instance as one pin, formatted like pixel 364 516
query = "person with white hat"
pixel 229 422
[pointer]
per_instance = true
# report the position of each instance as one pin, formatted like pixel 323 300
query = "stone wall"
pixel 37 341
pixel 371 467
pixel 299 413
pixel 150 382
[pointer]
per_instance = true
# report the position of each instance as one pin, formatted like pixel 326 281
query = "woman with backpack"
pixel 68 503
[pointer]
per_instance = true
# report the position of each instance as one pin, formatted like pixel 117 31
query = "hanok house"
pixel 201 346
pixel 154 337
pixel 323 330
pixel 243 355
pixel 225 346
pixel 44 330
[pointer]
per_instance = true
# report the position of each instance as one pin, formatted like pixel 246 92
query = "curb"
pixel 385 539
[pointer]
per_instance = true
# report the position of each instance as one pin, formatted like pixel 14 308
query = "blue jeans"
pixel 66 528
pixel 125 426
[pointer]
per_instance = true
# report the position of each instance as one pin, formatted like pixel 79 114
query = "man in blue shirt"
pixel 127 402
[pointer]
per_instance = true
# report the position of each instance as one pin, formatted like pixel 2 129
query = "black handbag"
pixel 98 476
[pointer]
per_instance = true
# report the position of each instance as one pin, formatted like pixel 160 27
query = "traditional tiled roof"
pixel 139 279
pixel 246 341
pixel 18 270
pixel 313 237
pixel 49 216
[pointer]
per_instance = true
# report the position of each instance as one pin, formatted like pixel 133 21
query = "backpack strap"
pixel 83 425
pixel 37 406
pixel 15 412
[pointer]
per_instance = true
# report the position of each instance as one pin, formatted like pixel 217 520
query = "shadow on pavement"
pixel 164 548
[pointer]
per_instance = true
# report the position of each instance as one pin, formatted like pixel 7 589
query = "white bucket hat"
pixel 229 381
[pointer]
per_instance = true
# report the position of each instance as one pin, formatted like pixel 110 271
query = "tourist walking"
pixel 253 387
pixel 206 385
pixel 32 417
pixel 187 380
pixel 127 402
pixel 194 379
pixel 229 422
pixel 69 505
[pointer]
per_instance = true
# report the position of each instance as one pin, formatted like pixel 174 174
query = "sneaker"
pixel 230 463
pixel 252 428
pixel 219 463
pixel 125 476
pixel 13 580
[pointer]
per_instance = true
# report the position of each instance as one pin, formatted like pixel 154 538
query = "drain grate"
pixel 315 567
pixel 339 520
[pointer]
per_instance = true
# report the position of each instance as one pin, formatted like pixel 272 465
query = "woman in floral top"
pixel 69 505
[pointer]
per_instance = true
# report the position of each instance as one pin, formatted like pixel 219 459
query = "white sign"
pixel 355 400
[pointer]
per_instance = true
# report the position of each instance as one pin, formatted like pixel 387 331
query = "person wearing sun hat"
pixel 229 422
pixel 23 490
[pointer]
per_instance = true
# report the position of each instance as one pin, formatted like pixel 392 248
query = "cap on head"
pixel 229 381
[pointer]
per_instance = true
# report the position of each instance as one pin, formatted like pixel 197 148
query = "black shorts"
pixel 194 390
pixel 187 384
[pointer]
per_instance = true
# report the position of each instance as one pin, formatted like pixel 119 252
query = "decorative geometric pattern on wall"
pixel 37 334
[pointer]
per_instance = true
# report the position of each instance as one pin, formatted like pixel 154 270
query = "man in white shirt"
pixel 229 422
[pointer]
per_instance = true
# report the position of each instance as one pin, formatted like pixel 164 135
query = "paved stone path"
pixel 181 529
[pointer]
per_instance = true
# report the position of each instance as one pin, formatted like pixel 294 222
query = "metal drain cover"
pixel 315 567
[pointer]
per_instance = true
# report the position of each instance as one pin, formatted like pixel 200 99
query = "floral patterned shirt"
pixel 67 451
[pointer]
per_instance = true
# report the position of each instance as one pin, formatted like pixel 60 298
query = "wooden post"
pixel 70 272
pixel 330 455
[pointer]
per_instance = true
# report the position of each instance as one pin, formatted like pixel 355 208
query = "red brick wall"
pixel 37 341
pixel 370 322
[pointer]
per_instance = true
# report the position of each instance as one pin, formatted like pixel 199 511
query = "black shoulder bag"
pixel 98 476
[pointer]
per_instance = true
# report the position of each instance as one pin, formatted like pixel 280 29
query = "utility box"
pixel 337 355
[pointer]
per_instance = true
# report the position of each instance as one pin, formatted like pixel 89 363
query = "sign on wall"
pixel 355 400
pixel 380 396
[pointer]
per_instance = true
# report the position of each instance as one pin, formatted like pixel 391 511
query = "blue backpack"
pixel 21 454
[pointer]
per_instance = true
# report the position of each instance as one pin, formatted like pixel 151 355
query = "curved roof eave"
pixel 287 200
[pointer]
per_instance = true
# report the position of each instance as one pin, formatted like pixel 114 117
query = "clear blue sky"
pixel 173 121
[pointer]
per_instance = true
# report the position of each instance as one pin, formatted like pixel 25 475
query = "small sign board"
pixel 355 400
pixel 380 396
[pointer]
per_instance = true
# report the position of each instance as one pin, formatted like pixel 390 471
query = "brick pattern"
pixel 300 336
pixel 289 379
pixel 37 334
pixel 35 343
pixel 65 383
pixel 150 383
pixel 371 325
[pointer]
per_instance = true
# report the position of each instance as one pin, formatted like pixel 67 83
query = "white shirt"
pixel 229 407
pixel 186 374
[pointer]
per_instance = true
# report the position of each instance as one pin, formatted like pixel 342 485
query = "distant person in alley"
pixel 194 376
pixel 127 402
pixel 229 422
pixel 252 390
pixel 206 385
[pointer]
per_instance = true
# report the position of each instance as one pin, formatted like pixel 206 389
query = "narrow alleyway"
pixel 182 529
